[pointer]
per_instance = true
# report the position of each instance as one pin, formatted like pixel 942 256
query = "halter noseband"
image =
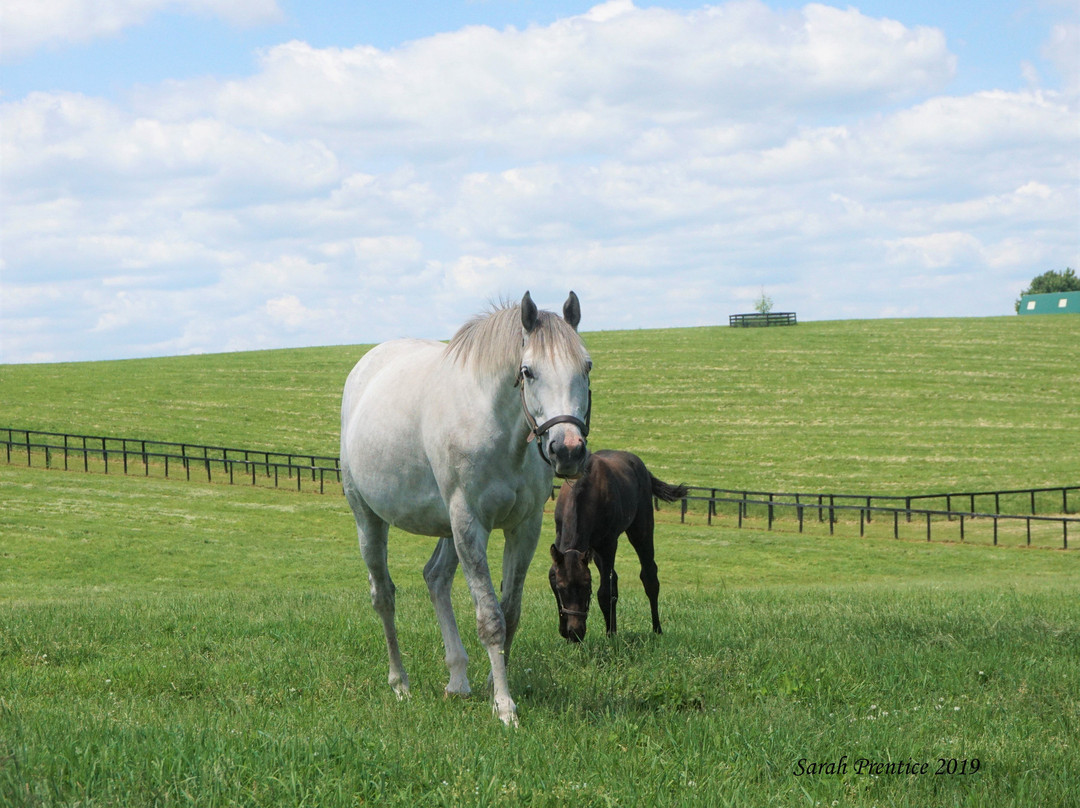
pixel 537 431
pixel 563 611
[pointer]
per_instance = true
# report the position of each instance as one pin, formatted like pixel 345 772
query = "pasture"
pixel 173 643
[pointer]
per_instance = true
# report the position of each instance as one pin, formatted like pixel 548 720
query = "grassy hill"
pixel 166 643
pixel 867 406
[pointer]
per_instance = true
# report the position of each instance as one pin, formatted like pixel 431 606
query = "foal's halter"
pixel 564 612
pixel 537 431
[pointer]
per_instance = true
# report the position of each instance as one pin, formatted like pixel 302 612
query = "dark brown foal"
pixel 613 496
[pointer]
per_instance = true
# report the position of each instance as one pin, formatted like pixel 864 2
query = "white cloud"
pixel 664 164
pixel 585 82
pixel 1063 51
pixel 31 24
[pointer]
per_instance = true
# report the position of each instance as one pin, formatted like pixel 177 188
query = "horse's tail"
pixel 667 491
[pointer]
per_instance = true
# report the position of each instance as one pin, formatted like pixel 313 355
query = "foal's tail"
pixel 666 491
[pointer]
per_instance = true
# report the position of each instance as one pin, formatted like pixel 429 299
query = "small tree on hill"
pixel 1050 282
pixel 763 304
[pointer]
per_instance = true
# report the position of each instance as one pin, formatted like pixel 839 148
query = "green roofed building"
pixel 1055 303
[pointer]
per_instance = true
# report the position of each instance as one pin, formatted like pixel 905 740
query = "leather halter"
pixel 563 611
pixel 537 431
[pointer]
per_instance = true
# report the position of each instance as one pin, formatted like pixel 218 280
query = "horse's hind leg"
pixel 373 534
pixel 641 538
pixel 439 574
pixel 517 556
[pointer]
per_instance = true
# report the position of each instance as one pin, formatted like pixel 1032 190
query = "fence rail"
pixel 170 460
pixel 762 320
pixel 1030 506
pixel 771 507
pixel 1026 501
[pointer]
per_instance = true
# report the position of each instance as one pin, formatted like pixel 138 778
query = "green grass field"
pixel 173 643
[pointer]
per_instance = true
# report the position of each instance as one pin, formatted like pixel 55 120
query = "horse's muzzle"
pixel 573 630
pixel 568 452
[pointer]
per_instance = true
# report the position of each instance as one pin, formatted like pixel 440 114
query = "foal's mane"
pixel 492 343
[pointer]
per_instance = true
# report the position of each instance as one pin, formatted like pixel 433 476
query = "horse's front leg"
pixel 470 542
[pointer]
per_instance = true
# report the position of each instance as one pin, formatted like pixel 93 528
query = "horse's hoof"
pixel 457 694
pixel 508 717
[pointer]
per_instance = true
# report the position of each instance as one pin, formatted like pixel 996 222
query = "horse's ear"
pixel 529 315
pixel 571 311
pixel 556 556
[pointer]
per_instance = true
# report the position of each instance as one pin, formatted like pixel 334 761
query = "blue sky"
pixel 187 176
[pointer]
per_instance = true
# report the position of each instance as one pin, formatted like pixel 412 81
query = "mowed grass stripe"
pixel 879 406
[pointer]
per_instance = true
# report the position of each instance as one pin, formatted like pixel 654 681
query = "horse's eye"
pixel 526 372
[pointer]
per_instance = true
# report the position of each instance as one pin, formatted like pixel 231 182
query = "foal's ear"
pixel 529 315
pixel 571 311
pixel 556 556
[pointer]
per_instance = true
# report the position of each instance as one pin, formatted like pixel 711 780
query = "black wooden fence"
pixel 1040 509
pixel 762 320
pixel 1036 507
pixel 169 460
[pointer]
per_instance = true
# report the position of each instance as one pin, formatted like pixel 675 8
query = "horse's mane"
pixel 491 343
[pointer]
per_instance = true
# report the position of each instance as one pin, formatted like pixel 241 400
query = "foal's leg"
pixel 640 534
pixel 373 533
pixel 439 574
pixel 607 595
